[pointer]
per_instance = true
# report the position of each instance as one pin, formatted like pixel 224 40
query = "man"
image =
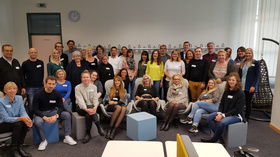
pixel 71 49
pixel 33 73
pixel 47 105
pixel 10 70
pixel 197 74
pixel 115 61
pixel 164 57
pixel 186 47
pixel 63 57
pixel 211 56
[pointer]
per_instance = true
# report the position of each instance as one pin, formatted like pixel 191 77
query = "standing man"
pixel 197 74
pixel 211 56
pixel 63 57
pixel 47 104
pixel 10 70
pixel 33 73
pixel 115 61
pixel 71 49
pixel 186 47
pixel 164 57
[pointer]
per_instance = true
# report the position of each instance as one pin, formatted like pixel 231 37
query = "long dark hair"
pixel 120 74
pixel 146 54
pixel 158 59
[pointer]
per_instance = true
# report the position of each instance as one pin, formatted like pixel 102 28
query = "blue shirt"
pixel 10 111
pixel 64 89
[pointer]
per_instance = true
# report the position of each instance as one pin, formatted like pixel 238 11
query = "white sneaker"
pixel 43 145
pixel 69 140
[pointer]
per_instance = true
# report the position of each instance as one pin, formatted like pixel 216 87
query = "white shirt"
pixel 116 63
pixel 174 68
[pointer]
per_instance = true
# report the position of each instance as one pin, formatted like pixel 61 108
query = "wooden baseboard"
pixel 274 128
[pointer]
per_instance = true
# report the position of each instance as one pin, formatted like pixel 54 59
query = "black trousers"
pixel 19 130
pixel 89 118
pixel 248 99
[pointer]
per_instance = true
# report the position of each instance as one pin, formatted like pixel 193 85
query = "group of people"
pixel 76 83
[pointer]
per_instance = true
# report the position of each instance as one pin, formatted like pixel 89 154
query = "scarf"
pixel 175 88
pixel 130 63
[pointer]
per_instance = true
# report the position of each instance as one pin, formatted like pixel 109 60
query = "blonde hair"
pixel 52 59
pixel 150 84
pixel 179 56
pixel 114 88
pixel 243 61
pixel 85 72
pixel 222 51
pixel 182 81
pixel 10 84
pixel 60 70
pixel 207 88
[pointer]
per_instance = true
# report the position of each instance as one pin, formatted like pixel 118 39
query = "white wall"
pixel 131 22
pixel 6 31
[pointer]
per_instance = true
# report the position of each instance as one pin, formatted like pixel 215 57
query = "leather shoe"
pixel 162 126
pixel 210 140
pixel 22 152
pixel 87 138
pixel 113 133
pixel 108 133
pixel 167 127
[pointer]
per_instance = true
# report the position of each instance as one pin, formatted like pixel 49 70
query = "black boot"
pixel 100 130
pixel 113 133
pixel 167 126
pixel 108 133
pixel 22 152
pixel 87 138
pixel 14 151
pixel 162 126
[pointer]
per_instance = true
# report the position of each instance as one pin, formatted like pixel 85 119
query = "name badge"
pixel 39 66
pixel 62 59
pixel 157 65
pixel 230 96
pixel 145 64
pixel 8 106
pixel 213 60
pixel 107 68
pixel 65 85
pixel 193 65
pixel 92 63
pixel 180 93
pixel 145 89
pixel 91 90
pixel 52 101
pixel 237 63
pixel 253 65
pixel 61 67
pixel 115 99
pixel 205 95
pixel 17 67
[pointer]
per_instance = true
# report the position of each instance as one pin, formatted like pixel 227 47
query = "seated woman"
pixel 87 101
pixel 230 110
pixel 115 98
pixel 206 103
pixel 64 88
pixel 147 96
pixel 14 118
pixel 177 97
pixel 94 79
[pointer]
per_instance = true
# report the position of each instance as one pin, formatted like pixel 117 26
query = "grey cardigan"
pixel 211 75
pixel 178 93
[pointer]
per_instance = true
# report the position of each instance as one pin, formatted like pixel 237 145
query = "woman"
pixel 206 103
pixel 130 66
pixel 155 70
pixel 240 56
pixel 87 101
pixel 190 56
pixel 123 53
pixel 142 64
pixel 124 75
pixel 54 63
pixel 249 73
pixel 83 54
pixel 94 79
pixel 230 110
pixel 105 71
pixel 92 61
pixel 173 66
pixel 64 87
pixel 100 53
pixel 115 99
pixel 14 118
pixel 146 96
pixel 228 56
pixel 73 71
pixel 177 97
pixel 221 69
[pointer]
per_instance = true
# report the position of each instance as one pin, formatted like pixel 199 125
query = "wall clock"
pixel 74 16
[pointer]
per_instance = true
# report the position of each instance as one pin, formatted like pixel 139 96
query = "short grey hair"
pixel 76 53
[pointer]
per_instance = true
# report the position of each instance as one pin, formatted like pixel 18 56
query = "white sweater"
pixel 86 96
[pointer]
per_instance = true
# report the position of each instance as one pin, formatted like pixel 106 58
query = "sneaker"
pixel 186 121
pixel 193 129
pixel 69 140
pixel 43 145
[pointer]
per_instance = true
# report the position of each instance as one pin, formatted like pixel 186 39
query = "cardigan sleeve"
pixel 210 71
pixel 257 74
pixel 69 89
pixel 79 98
pixel 215 96
pixel 161 70
pixel 107 96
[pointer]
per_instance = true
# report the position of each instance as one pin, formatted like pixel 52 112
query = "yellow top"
pixel 155 71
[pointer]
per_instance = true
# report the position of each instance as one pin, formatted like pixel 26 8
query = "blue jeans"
pixel 157 85
pixel 30 91
pixel 67 104
pixel 131 85
pixel 219 128
pixel 128 97
pixel 200 108
pixel 64 116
